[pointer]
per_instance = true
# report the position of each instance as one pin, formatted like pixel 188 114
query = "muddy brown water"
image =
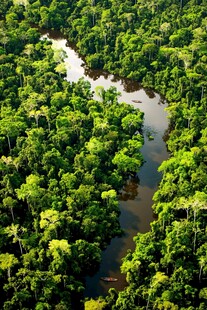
pixel 135 199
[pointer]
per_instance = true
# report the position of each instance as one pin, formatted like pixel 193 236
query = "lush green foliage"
pixel 64 155
pixel 162 44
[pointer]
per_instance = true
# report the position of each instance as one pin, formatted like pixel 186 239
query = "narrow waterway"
pixel 136 198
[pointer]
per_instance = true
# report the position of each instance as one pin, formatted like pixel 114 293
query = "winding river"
pixel 135 199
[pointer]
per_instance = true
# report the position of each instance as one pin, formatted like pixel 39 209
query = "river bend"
pixel 136 198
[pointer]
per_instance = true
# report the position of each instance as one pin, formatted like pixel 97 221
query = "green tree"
pixel 11 125
pixel 7 261
pixel 16 231
pixel 60 251
pixel 32 192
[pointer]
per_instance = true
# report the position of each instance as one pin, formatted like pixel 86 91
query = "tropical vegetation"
pixel 56 197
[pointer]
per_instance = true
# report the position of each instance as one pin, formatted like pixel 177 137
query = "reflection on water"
pixel 130 189
pixel 95 74
pixel 136 196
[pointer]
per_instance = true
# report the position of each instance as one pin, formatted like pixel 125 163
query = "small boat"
pixel 108 279
pixel 137 101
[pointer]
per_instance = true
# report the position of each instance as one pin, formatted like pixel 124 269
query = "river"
pixel 135 199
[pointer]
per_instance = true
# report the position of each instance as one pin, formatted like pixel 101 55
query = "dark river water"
pixel 136 198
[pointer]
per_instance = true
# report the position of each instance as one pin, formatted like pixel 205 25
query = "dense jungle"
pixel 65 155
